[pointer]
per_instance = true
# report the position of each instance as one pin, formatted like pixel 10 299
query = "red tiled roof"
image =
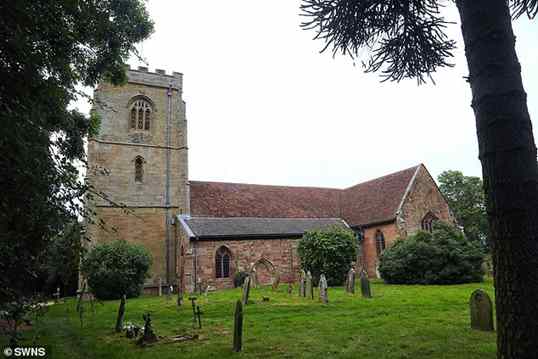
pixel 369 202
pixel 376 200
pixel 219 199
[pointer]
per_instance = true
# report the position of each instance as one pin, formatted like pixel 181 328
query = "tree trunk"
pixel 510 171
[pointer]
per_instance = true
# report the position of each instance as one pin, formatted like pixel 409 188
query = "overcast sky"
pixel 263 106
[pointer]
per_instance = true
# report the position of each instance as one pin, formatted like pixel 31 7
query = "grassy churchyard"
pixel 398 322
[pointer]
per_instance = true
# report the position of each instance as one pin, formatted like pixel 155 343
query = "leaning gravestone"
pixel 302 283
pixel 350 283
pixel 308 286
pixel 238 327
pixel 121 314
pixel 323 295
pixel 365 285
pixel 481 311
pixel 246 290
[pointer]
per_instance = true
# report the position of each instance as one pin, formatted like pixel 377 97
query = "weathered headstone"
pixel 238 327
pixel 323 289
pixel 481 311
pixel 179 295
pixel 350 282
pixel 365 285
pixel 253 278
pixel 121 314
pixel 290 288
pixel 309 288
pixel 160 287
pixel 302 284
pixel 246 290
pixel 276 281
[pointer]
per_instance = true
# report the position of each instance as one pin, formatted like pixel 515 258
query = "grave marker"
pixel 481 311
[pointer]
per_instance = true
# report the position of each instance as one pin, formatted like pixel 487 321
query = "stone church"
pixel 201 233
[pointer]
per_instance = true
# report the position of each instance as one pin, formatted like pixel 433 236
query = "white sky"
pixel 263 106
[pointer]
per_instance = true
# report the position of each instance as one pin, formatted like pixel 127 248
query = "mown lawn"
pixel 398 322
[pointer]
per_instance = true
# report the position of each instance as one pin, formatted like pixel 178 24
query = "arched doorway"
pixel 264 272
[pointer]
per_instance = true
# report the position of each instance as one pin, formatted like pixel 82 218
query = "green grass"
pixel 398 322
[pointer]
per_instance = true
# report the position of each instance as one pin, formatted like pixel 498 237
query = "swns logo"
pixel 25 352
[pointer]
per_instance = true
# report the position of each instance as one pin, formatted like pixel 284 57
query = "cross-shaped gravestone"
pixel 481 311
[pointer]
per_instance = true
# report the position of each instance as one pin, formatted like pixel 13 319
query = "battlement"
pixel 159 78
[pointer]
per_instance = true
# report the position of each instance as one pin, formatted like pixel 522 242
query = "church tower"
pixel 138 166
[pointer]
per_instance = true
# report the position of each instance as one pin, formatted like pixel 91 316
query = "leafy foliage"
pixel 48 50
pixel 329 251
pixel 406 38
pixel 116 268
pixel 61 260
pixel 465 196
pixel 441 257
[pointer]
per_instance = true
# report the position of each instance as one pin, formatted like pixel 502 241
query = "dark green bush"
pixel 116 268
pixel 442 257
pixel 239 278
pixel 329 251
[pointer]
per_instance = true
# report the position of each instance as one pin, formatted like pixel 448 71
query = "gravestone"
pixel 481 311
pixel 148 335
pixel 160 287
pixel 253 278
pixel 199 316
pixel 350 282
pixel 365 285
pixel 309 288
pixel 193 301
pixel 290 288
pixel 57 295
pixel 238 327
pixel 302 289
pixel 323 295
pixel 246 290
pixel 276 281
pixel 121 314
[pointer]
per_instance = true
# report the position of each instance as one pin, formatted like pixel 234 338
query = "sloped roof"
pixel 369 202
pixel 376 200
pixel 237 227
pixel 219 199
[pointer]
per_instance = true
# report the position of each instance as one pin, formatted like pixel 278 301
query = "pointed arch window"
pixel 428 221
pixel 222 262
pixel 140 115
pixel 379 242
pixel 139 169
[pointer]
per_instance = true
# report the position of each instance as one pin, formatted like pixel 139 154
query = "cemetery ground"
pixel 400 321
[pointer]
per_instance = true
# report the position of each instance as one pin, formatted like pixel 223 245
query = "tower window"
pixel 379 242
pixel 222 263
pixel 140 115
pixel 139 169
pixel 428 221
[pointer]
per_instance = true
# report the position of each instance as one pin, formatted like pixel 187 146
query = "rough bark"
pixel 510 171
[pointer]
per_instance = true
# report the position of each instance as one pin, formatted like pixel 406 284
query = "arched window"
pixel 222 263
pixel 139 169
pixel 428 221
pixel 140 115
pixel 379 242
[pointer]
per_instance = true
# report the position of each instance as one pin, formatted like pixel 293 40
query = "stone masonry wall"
pixel 281 253
pixel 369 253
pixel 111 159
pixel 424 196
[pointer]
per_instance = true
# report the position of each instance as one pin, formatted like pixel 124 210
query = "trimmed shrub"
pixel 116 268
pixel 442 257
pixel 329 251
